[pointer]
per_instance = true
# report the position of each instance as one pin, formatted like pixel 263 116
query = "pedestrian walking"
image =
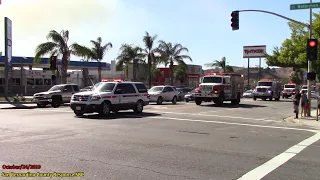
pixel 303 103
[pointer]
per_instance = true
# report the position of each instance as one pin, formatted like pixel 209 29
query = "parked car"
pixel 189 96
pixel 248 94
pixel 161 94
pixel 88 88
pixel 56 95
pixel 182 93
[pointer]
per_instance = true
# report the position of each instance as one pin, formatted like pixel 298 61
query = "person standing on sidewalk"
pixel 296 100
pixel 303 103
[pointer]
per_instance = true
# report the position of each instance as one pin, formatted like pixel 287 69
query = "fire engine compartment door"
pixel 227 89
pixel 233 87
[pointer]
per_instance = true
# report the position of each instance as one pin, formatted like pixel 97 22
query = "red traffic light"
pixel 312 43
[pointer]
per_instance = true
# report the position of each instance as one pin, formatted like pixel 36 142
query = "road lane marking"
pixel 274 163
pixel 213 115
pixel 237 124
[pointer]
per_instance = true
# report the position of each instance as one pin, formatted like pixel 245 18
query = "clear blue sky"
pixel 203 26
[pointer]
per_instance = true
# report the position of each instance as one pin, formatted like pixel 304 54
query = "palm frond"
pixel 57 38
pixel 44 49
pixel 82 51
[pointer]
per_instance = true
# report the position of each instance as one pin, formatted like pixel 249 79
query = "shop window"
pixel 30 81
pixel 2 81
pixel 15 81
pixel 47 82
pixel 39 82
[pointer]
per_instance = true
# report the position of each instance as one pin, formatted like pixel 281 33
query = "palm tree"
pixel 221 64
pixel 172 53
pixel 57 45
pixel 130 54
pixel 180 72
pixel 150 51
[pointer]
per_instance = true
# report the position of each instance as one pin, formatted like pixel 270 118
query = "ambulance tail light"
pixel 148 96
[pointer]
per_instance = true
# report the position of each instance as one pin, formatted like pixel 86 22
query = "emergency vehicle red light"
pixel 117 80
pixel 312 43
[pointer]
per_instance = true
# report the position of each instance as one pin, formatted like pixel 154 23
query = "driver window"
pixel 226 81
pixel 119 89
pixel 68 89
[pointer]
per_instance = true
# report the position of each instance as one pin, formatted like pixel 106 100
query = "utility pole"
pixel 310 62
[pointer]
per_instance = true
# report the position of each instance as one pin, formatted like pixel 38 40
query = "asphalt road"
pixel 181 141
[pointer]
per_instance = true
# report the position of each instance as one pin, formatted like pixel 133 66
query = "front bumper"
pixel 261 95
pixel 41 100
pixel 205 95
pixel 85 108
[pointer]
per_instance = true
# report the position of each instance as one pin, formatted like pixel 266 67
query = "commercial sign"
pixel 254 51
pixel 8 40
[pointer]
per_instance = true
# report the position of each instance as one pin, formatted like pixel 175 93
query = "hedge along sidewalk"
pixel 309 121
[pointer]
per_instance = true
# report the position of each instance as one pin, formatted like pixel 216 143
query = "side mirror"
pixel 65 90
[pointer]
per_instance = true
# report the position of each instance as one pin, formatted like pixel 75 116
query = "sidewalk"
pixel 309 121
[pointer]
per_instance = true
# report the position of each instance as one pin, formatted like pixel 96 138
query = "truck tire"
pixel 198 101
pixel 174 100
pixel 254 98
pixel 220 100
pixel 78 113
pixel 105 109
pixel 236 101
pixel 56 101
pixel 139 107
pixel 270 98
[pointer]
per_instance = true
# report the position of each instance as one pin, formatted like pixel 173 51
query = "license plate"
pixel 78 108
pixel 288 93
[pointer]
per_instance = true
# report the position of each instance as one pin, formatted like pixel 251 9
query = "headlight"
pixel 269 91
pixel 95 98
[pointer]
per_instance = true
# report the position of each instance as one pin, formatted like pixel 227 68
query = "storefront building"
pixel 193 74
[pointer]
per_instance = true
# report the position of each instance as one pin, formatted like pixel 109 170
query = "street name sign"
pixel 304 6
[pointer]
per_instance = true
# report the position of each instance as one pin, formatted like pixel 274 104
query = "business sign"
pixel 254 51
pixel 8 40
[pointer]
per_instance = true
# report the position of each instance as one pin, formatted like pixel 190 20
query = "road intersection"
pixel 181 141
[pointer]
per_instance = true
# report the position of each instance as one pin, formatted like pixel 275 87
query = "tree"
pixel 180 72
pixel 150 53
pixel 221 64
pixel 292 52
pixel 130 54
pixel 96 53
pixel 57 45
pixel 172 53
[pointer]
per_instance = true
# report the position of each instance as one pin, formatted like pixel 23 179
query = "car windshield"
pixel 289 86
pixel 304 87
pixel 56 88
pixel 264 84
pixel 156 89
pixel 212 80
pixel 104 87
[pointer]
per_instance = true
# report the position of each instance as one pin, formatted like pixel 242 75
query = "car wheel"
pixel 56 102
pixel 198 101
pixel 40 105
pixel 187 100
pixel 179 98
pixel 159 100
pixel 139 107
pixel 105 108
pixel 174 100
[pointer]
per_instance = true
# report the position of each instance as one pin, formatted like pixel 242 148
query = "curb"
pixel 292 119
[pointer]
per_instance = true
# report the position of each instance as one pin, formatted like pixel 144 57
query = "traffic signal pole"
pixel 310 64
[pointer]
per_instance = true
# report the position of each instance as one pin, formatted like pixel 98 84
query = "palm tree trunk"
pixel 85 74
pixel 64 69
pixel 99 70
pixel 134 72
pixel 171 72
pixel 150 66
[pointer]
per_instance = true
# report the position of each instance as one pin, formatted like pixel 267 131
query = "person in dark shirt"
pixel 296 101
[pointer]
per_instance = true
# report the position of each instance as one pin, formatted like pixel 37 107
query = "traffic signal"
pixel 312 49
pixel 53 63
pixel 311 76
pixel 235 20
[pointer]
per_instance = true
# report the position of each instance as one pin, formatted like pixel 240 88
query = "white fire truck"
pixel 288 90
pixel 220 87
pixel 267 89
